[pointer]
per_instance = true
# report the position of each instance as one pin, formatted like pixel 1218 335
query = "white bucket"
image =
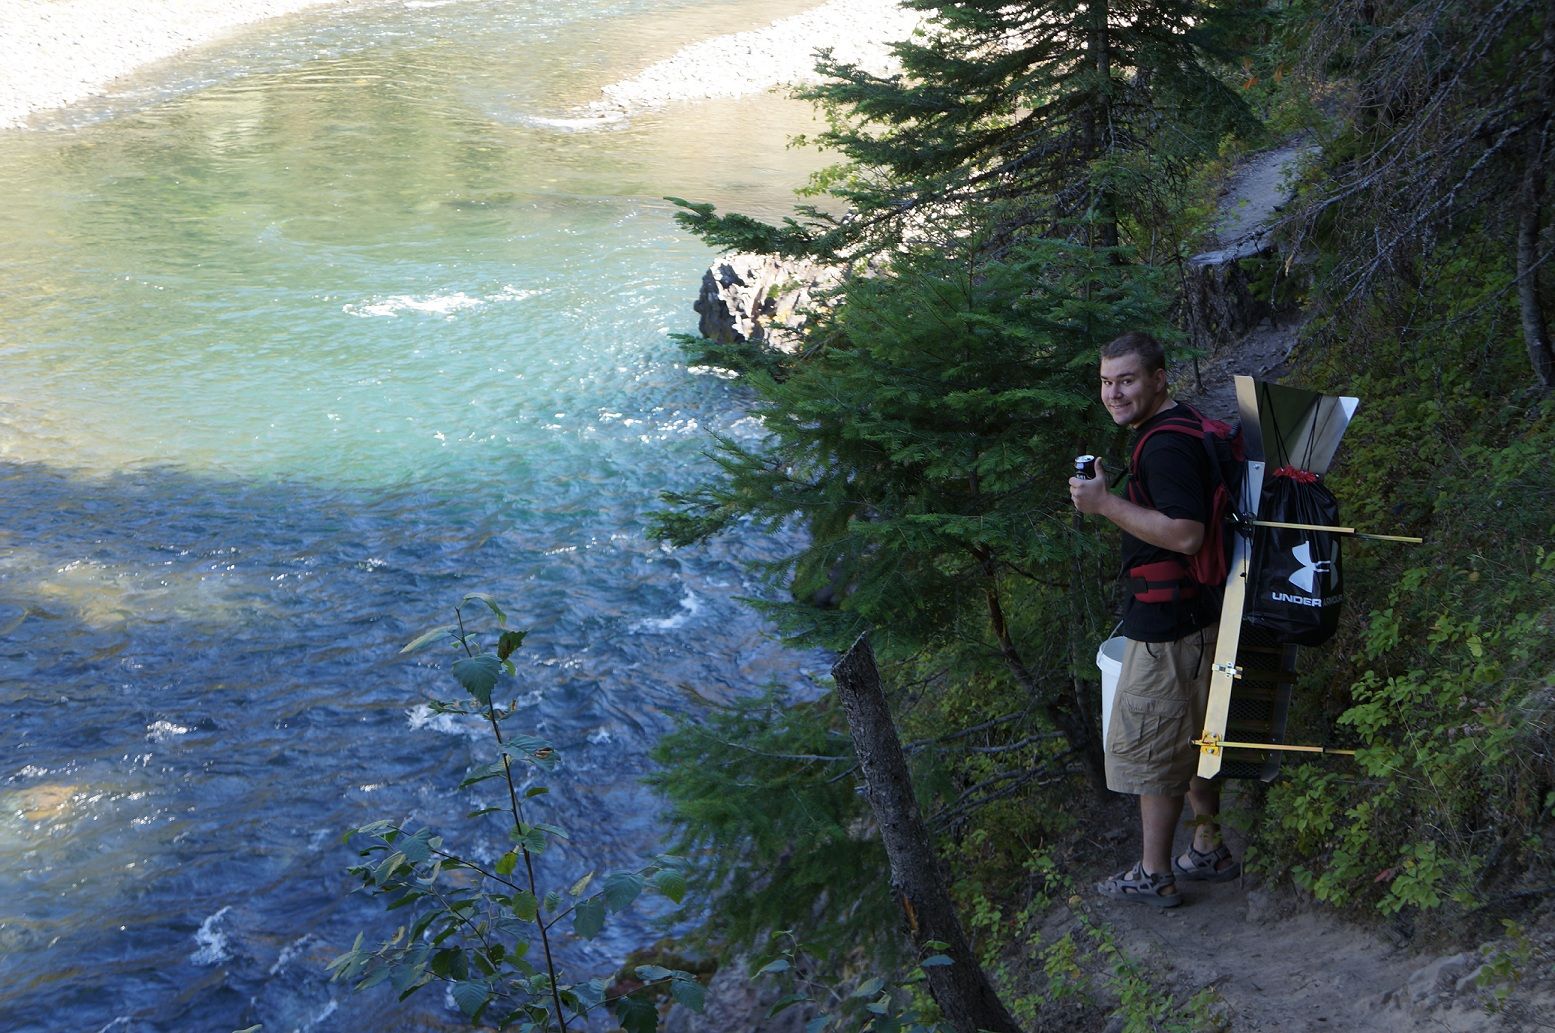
pixel 1109 657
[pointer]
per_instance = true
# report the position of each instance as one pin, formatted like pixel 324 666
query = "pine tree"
pixel 1086 113
pixel 925 449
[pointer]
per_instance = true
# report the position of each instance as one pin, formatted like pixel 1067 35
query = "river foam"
pixel 445 304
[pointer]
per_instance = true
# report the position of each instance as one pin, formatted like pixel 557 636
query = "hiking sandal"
pixel 1158 890
pixel 1205 866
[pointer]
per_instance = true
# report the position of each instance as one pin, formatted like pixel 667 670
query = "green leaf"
pixel 529 747
pixel 869 987
pixel 373 978
pixel 421 640
pixel 507 862
pixel 773 967
pixel 525 907
pixel 534 791
pixel 418 848
pixel 582 884
pixel 817 1024
pixel 553 900
pixel 689 992
pixel 490 603
pixel 508 642
pixel 621 888
pixel 478 675
pixel 472 997
pixel 652 973
pixel 553 830
pixel 936 961
pixel 786 1002
pixel 492 770
pixel 530 837
pixel 588 918
pixel 671 884
pixel 637 1016
pixel 448 963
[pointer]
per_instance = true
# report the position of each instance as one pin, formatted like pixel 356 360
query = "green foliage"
pixel 485 930
pixel 1507 965
pixel 912 437
pixel 865 1003
pixel 1444 662
pixel 923 445
pixel 764 792
pixel 1087 115
pixel 1438 133
pixel 922 437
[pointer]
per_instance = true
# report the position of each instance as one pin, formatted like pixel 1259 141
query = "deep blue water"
pixel 302 338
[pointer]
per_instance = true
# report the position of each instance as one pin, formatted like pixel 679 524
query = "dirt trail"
pixel 1281 965
pixel 1254 195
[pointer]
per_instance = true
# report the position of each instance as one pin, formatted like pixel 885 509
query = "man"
pixel 1170 624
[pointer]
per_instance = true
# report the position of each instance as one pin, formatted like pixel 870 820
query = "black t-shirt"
pixel 1175 477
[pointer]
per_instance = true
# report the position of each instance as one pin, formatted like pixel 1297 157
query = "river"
pixel 303 337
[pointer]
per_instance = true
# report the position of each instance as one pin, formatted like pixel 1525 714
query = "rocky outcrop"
pixel 762 298
pixel 1218 303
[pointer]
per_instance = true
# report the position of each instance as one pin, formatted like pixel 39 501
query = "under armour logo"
pixel 1304 578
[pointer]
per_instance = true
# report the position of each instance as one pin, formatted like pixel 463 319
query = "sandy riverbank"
pixel 858 32
pixel 58 52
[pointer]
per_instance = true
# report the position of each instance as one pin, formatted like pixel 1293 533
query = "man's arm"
pixel 1148 525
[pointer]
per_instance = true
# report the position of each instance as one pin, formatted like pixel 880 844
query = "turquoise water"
pixel 302 337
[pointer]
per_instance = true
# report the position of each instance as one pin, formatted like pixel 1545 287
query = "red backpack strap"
pixel 1165 581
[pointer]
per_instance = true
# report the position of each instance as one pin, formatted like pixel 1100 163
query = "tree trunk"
pixel 1099 122
pixel 961 990
pixel 1530 216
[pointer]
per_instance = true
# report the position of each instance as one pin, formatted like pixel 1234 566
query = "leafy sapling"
pixel 874 1004
pixel 487 931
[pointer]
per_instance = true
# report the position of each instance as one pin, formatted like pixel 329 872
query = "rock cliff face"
pixel 762 298
pixel 1218 303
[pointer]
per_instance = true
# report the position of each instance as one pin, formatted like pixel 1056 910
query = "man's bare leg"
pixel 1204 798
pixel 1158 817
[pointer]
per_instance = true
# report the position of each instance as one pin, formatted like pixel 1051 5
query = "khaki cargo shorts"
pixel 1157 712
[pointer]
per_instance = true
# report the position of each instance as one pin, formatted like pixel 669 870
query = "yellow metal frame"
pixel 1225 672
pixel 1211 744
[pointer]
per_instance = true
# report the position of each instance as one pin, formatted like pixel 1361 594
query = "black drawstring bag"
pixel 1294 584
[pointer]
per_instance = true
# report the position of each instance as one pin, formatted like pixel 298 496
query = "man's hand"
pixel 1089 494
pixel 1148 525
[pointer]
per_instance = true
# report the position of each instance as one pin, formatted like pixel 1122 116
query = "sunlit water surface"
pixel 302 337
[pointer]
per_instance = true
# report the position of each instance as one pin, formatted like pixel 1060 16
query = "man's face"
pixel 1130 394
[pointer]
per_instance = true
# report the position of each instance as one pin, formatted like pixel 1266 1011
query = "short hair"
pixel 1136 342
